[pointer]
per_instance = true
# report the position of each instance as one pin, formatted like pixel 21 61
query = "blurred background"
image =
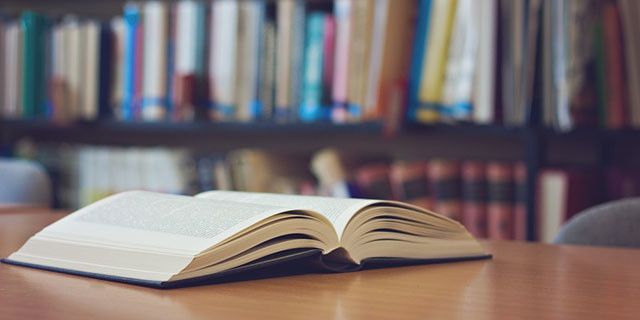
pixel 509 116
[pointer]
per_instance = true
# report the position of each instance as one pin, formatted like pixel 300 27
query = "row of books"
pixel 568 64
pixel 517 62
pixel 225 60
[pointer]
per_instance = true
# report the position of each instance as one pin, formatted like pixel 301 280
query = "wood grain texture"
pixel 523 281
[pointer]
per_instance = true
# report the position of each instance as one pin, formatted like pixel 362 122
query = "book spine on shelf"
pixel 91 68
pixel 224 50
pixel 420 44
pixel 154 87
pixel 105 65
pixel 474 194
pixel 311 107
pixel 433 69
pixel 500 201
pixel 297 57
pixel 444 176
pixel 410 184
pixel 520 217
pixel 343 16
pixel 33 82
pixel 615 77
pixel 267 71
pixel 328 64
pixel 374 181
pixel 131 25
pixel 285 13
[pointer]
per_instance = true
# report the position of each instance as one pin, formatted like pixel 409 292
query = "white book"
pixel 159 239
pixel 91 69
pixel 224 56
pixel 12 71
pixel 74 68
pixel 461 62
pixel 154 79
pixel 186 28
pixel 250 24
pixel 484 83
pixel 284 25
pixel 381 9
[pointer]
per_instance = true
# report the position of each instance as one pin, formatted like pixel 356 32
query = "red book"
pixel 444 176
pixel 409 183
pixel 622 183
pixel 500 201
pixel 474 195
pixel 615 77
pixel 563 192
pixel 373 181
pixel 520 205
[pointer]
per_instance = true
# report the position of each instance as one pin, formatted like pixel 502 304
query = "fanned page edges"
pixel 374 231
pixel 294 262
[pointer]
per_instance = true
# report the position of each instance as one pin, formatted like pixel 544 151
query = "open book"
pixel 167 240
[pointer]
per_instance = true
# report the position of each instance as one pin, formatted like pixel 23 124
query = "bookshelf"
pixel 521 125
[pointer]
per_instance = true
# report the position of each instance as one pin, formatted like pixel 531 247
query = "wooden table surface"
pixel 533 281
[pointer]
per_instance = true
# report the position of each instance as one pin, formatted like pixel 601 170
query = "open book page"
pixel 337 210
pixel 160 222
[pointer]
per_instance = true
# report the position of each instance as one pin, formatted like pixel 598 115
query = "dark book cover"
pixel 474 195
pixel 444 177
pixel 374 182
pixel 410 183
pixel 500 201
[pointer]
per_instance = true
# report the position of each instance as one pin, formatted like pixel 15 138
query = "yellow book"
pixel 435 57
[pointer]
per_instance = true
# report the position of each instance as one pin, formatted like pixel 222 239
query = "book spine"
pixel 520 219
pixel 500 201
pixel 410 184
pixel 117 79
pixel 616 97
pixel 420 43
pixel 374 181
pixel 250 24
pixel 297 56
pixel 154 95
pixel 430 95
pixel 474 194
pixel 358 50
pixel 328 63
pixel 268 71
pixel 89 107
pixel 285 12
pixel 311 108
pixel 485 75
pixel 131 20
pixel 106 62
pixel 186 57
pixel 73 64
pixel 341 70
pixel 12 72
pixel 33 64
pixel 444 176
pixel 138 69
pixel 462 51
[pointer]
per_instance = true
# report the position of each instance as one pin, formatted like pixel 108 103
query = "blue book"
pixel 311 104
pixel 417 59
pixel 131 22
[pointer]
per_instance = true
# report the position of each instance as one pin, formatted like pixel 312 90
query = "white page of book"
pixel 158 222
pixel 337 210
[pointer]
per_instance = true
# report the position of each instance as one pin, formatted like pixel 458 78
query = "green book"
pixel 33 82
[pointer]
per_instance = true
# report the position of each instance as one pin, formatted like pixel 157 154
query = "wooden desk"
pixel 532 281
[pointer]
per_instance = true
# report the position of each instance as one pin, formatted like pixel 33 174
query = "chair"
pixel 615 223
pixel 24 182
